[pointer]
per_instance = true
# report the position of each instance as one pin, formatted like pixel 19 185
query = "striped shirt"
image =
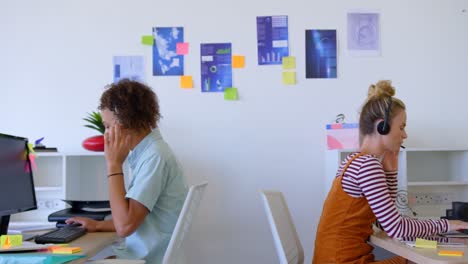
pixel 365 177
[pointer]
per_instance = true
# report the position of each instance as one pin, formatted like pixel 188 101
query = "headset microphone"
pixel 383 128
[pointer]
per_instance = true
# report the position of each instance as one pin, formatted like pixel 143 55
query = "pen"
pixel 403 147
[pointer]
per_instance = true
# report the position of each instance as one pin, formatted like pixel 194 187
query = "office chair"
pixel 174 252
pixel 287 243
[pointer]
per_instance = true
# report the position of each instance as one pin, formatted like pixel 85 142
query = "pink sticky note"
pixel 182 48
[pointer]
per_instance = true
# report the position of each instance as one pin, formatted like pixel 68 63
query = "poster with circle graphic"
pixel 364 34
pixel 216 67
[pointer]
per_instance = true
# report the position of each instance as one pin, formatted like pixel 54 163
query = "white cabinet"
pixel 428 179
pixel 60 176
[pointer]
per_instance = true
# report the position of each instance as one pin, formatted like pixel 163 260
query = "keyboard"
pixel 61 235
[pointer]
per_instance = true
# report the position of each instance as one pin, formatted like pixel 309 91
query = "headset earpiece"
pixel 383 127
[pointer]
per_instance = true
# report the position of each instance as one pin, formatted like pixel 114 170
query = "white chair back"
pixel 174 253
pixel 287 243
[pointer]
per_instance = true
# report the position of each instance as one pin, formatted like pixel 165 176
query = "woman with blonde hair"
pixel 365 187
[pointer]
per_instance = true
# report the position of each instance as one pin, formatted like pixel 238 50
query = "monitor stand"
pixel 4 221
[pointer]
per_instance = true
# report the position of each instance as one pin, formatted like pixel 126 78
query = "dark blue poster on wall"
pixel 272 39
pixel 321 54
pixel 216 67
pixel 166 61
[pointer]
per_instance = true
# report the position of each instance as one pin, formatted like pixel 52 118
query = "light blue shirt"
pixel 157 183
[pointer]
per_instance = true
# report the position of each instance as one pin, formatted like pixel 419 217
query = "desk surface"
pixel 417 255
pixel 92 243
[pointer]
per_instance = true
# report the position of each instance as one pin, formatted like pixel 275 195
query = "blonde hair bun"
pixel 382 88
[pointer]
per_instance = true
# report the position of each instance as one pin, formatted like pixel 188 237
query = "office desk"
pixel 92 243
pixel 417 255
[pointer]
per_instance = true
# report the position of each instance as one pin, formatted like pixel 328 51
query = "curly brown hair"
pixel 134 104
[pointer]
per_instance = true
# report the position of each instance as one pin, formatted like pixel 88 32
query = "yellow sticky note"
pixel 289 62
pixel 289 78
pixel 238 61
pixel 454 253
pixel 66 250
pixel 230 94
pixel 182 48
pixel 11 240
pixel 147 40
pixel 424 243
pixel 186 81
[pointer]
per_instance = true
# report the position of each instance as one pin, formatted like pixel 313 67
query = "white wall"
pixel 57 55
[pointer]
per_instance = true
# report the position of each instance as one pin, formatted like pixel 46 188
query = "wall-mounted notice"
pixel 321 54
pixel 129 67
pixel 272 39
pixel 216 67
pixel 364 34
pixel 166 61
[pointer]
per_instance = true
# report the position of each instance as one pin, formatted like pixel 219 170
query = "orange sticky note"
pixel 454 253
pixel 186 81
pixel 238 61
pixel 66 250
pixel 182 48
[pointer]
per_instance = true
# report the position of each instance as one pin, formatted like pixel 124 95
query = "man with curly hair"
pixel 146 212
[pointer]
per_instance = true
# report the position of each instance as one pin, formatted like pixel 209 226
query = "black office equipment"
pixel 16 177
pixel 61 235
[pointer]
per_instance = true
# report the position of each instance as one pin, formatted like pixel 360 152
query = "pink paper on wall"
pixel 343 136
pixel 182 48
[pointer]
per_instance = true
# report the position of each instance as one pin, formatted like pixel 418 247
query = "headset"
pixel 383 128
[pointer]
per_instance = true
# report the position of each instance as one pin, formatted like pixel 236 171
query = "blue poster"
pixel 166 61
pixel 216 67
pixel 128 67
pixel 272 39
pixel 321 54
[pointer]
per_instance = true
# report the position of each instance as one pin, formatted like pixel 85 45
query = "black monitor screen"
pixel 16 179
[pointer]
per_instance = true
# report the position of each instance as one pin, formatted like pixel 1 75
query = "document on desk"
pixel 441 241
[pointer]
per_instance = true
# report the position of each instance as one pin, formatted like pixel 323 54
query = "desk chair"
pixel 287 243
pixel 174 251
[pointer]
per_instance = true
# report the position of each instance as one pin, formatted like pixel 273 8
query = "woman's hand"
pixel 457 224
pixel 89 224
pixel 390 161
pixel 116 147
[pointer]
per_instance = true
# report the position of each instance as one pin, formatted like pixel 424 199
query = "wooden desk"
pixel 92 243
pixel 417 255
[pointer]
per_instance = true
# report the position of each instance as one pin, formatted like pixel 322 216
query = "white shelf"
pixel 48 188
pixel 437 183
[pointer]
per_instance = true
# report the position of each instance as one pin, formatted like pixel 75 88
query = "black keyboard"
pixel 61 235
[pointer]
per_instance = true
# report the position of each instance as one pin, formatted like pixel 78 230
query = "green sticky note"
pixel 230 94
pixel 11 240
pixel 289 78
pixel 147 40
pixel 289 62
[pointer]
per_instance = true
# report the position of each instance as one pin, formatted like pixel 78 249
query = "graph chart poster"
pixel 321 54
pixel 364 34
pixel 166 61
pixel 272 39
pixel 216 67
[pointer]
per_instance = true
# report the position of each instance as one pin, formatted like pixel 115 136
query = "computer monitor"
pixel 16 179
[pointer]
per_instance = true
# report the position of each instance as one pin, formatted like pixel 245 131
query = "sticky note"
pixel 424 243
pixel 182 48
pixel 454 253
pixel 186 81
pixel 65 250
pixel 289 62
pixel 7 241
pixel 230 94
pixel 289 77
pixel 238 61
pixel 147 40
